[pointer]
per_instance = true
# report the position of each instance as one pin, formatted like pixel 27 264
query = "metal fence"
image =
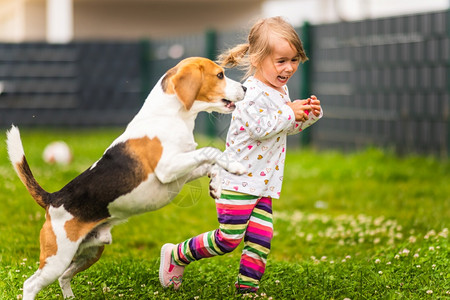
pixel 79 84
pixel 382 82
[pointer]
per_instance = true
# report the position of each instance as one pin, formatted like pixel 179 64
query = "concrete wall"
pixel 35 20
pixel 160 19
pixel 12 20
pixel 26 20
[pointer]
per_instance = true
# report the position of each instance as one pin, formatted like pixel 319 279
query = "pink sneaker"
pixel 169 273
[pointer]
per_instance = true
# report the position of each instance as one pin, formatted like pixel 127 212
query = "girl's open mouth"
pixel 283 78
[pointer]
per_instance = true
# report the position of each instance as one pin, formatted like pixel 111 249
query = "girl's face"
pixel 276 69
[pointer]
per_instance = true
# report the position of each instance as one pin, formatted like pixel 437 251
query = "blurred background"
pixel 380 67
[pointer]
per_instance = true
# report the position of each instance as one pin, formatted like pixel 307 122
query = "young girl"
pixel 257 139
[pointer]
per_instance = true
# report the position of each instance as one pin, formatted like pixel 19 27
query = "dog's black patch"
pixel 87 196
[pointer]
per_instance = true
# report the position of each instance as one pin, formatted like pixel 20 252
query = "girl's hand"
pixel 315 105
pixel 301 109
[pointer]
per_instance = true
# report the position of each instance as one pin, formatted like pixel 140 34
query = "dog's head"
pixel 201 83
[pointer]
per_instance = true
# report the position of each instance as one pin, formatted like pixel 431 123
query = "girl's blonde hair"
pixel 258 45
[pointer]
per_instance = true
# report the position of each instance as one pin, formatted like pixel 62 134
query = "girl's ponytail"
pixel 233 57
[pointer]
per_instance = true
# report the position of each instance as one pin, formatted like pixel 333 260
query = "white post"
pixel 59 21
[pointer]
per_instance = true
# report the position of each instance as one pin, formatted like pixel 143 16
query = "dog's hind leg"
pixel 81 262
pixel 57 251
pixel 89 252
pixel 28 291
pixel 51 267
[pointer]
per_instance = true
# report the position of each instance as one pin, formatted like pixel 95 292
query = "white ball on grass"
pixel 57 152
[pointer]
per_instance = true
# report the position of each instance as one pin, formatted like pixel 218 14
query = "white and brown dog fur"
pixel 142 170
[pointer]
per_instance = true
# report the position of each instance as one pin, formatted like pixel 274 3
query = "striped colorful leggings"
pixel 240 216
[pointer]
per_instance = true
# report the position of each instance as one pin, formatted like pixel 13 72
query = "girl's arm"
pixel 262 119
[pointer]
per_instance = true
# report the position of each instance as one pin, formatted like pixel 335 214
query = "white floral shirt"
pixel 257 139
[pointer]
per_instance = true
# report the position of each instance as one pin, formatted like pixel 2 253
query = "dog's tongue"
pixel 228 103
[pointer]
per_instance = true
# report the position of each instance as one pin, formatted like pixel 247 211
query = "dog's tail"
pixel 20 164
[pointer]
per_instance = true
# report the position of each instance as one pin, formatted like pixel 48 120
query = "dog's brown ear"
pixel 187 83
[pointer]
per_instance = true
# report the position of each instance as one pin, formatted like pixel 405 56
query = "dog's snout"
pixel 244 88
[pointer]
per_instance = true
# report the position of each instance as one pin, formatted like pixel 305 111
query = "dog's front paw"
pixel 215 189
pixel 236 168
pixel 215 184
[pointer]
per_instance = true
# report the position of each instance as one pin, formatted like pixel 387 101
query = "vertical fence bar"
pixel 305 76
pixel 211 44
pixel 211 53
pixel 145 68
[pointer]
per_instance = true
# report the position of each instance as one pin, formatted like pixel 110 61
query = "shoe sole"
pixel 161 264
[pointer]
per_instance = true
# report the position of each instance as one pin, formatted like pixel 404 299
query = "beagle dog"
pixel 142 170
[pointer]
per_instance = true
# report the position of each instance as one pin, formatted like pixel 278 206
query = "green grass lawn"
pixel 367 225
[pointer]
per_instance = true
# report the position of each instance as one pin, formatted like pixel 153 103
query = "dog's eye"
pixel 220 75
